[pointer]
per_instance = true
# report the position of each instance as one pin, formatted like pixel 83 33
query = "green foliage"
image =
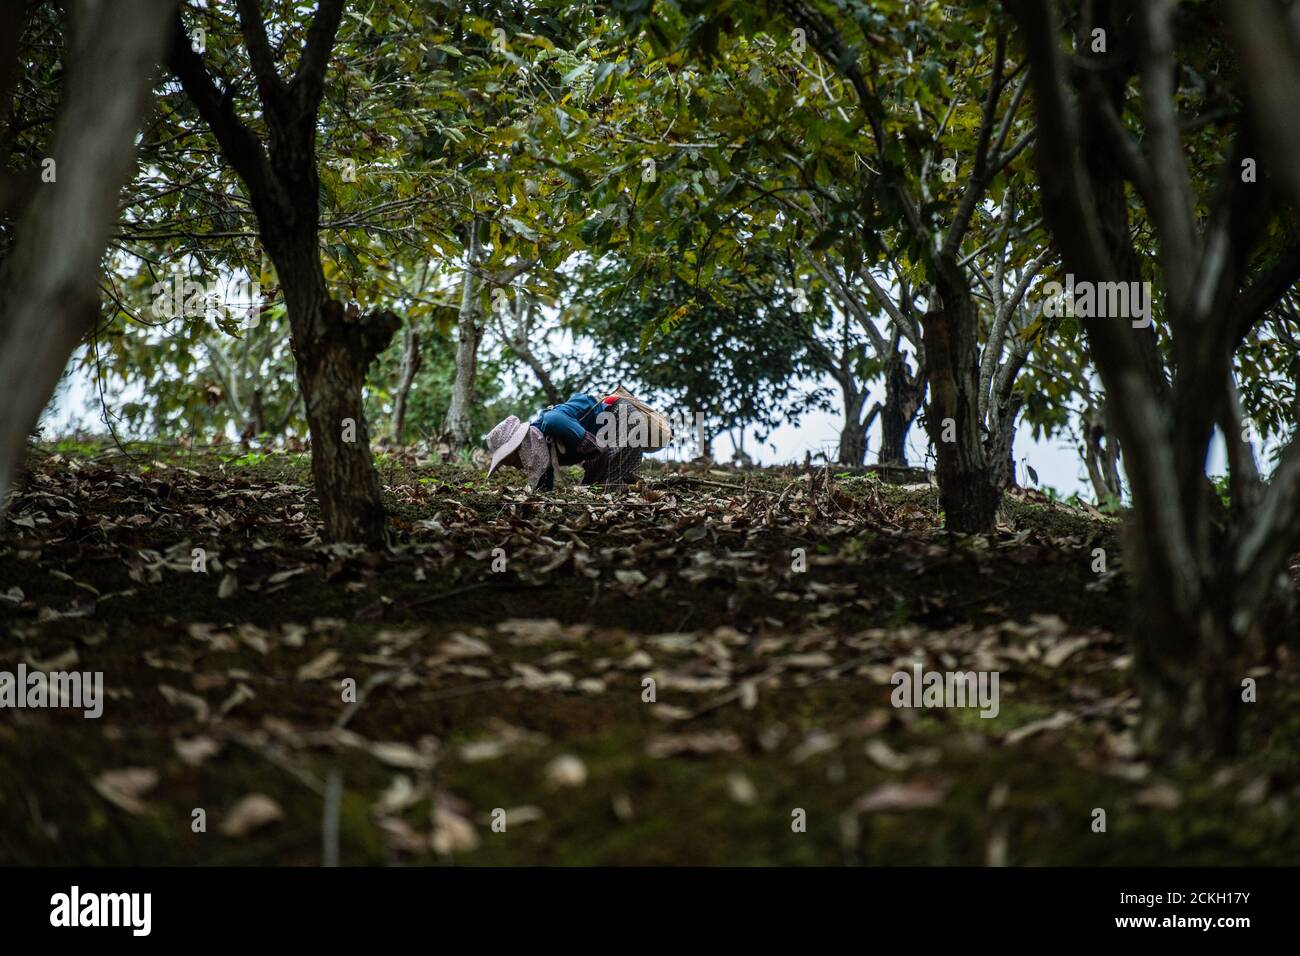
pixel 668 169
pixel 430 393
pixel 727 351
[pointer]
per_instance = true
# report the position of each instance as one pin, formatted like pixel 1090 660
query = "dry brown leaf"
pixel 195 750
pixel 252 812
pixel 883 755
pixel 913 795
pixel 1062 718
pixel 401 793
pixel 1163 796
pixel 400 755
pixel 452 830
pixel 741 789
pixel 319 666
pixel 123 788
pixel 403 837
pixel 566 770
pixel 193 701
pixel 1062 650
pixel 704 742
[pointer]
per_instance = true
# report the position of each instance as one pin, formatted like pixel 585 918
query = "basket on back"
pixel 658 432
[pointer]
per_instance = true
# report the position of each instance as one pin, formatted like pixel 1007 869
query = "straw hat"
pixel 519 445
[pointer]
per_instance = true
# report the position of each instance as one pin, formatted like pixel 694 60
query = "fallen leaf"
pixel 400 755
pixel 914 795
pixel 319 666
pixel 1058 720
pixel 566 770
pixel 452 831
pixel 704 742
pixel 401 836
pixel 883 755
pixel 741 789
pixel 193 701
pixel 401 793
pixel 1061 651
pixel 195 750
pixel 251 813
pixel 1161 795
pixel 124 788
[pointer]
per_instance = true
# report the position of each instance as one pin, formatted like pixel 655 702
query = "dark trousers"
pixel 613 466
pixel 619 461
pixel 615 462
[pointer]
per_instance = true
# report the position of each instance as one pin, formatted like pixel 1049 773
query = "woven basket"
pixel 660 433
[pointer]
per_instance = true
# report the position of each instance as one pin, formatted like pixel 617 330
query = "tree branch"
pixel 241 149
pixel 269 85
pixel 308 83
pixel 1171 192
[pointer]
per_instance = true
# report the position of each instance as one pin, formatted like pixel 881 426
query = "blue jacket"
pixel 568 422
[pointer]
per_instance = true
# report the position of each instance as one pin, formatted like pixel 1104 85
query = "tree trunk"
pixel 48 293
pixel 1101 457
pixel 1209 595
pixel 458 427
pixel 853 446
pixel 1194 652
pixel 968 489
pixel 853 435
pixel 552 392
pixel 332 349
pixel 902 401
pixel 331 377
pixel 411 362
pixel 1190 686
pixel 893 433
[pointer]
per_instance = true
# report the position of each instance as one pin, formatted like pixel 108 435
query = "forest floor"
pixel 524 690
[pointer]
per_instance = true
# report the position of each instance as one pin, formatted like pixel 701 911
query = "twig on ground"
pixel 306 779
pixel 477 585
pixel 373 681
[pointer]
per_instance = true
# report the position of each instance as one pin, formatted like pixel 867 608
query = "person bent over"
pixel 599 434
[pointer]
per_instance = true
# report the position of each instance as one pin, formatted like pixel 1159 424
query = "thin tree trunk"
pixel 1101 458
pixel 49 297
pixel 552 392
pixel 518 342
pixel 257 412
pixel 902 401
pixel 458 427
pixel 853 435
pixel 411 362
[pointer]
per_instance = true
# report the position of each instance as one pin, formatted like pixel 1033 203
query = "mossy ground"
pixel 700 776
